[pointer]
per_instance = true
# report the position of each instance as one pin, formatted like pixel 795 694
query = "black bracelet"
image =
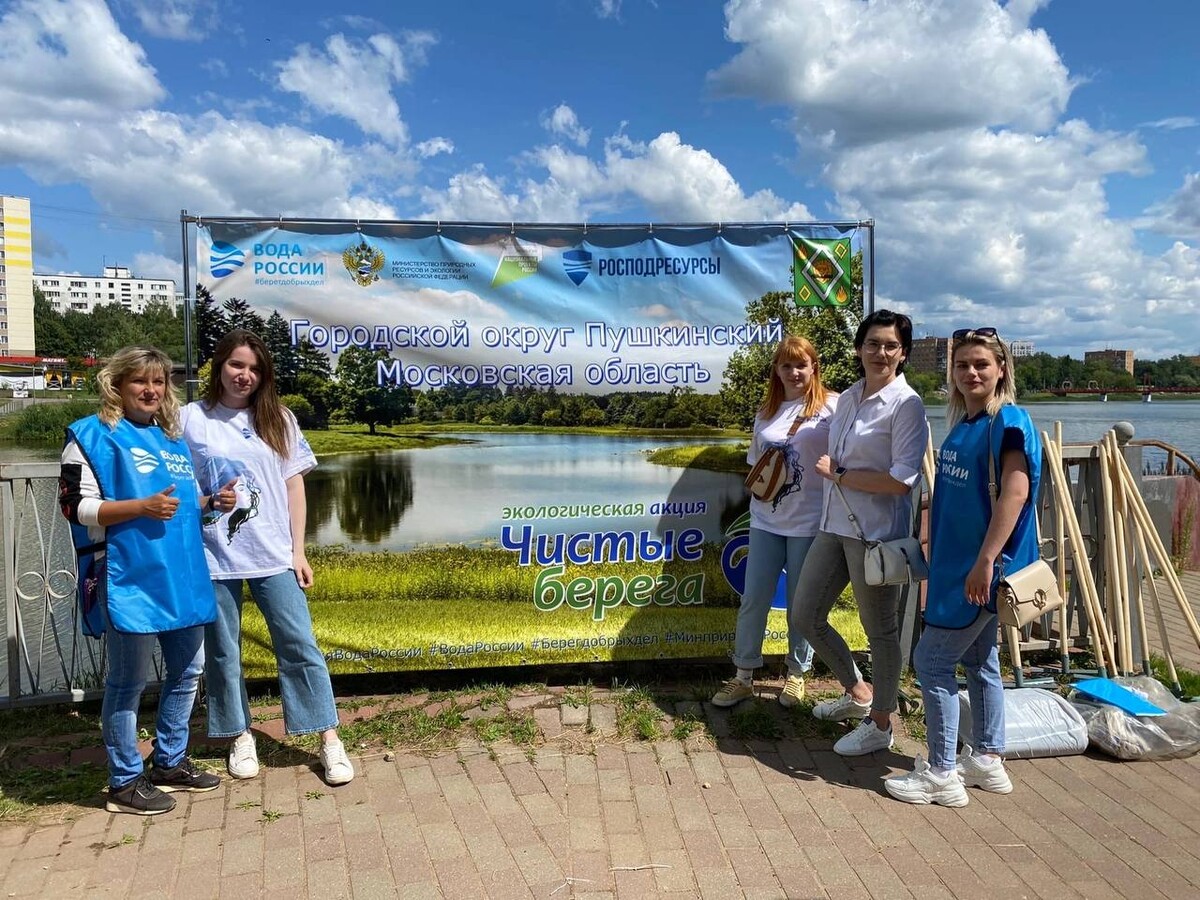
pixel 208 505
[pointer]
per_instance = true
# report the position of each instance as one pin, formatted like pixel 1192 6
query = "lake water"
pixel 458 494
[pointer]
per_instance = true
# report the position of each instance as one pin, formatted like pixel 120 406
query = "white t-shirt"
pixel 255 540
pixel 796 512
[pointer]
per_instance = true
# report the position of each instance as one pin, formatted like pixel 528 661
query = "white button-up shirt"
pixel 885 432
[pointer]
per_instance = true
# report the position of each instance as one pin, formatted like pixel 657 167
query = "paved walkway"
pixel 587 815
pixel 1184 648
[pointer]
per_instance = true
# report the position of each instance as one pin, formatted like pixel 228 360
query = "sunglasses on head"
pixel 963 333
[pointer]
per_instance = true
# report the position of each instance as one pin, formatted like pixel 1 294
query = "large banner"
pixel 539 371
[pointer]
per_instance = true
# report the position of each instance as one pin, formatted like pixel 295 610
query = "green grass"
pixel 639 714
pixel 719 458
pixel 1189 681
pixel 756 719
pixel 518 727
pixel 23 791
pixel 357 439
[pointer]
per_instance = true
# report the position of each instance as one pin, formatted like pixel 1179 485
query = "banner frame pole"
pixel 870 223
pixel 188 360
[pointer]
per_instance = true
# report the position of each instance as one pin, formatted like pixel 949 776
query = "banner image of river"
pixel 507 547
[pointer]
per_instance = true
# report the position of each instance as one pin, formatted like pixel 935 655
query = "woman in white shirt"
pixel 877 441
pixel 251 458
pixel 793 419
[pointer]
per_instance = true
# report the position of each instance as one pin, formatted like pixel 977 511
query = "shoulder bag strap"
pixel 850 514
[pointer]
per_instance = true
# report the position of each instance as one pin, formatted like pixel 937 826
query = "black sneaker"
pixel 140 798
pixel 183 777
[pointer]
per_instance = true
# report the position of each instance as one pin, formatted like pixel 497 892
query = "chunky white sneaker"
pixel 793 690
pixel 866 738
pixel 922 785
pixel 733 692
pixel 839 710
pixel 976 773
pixel 242 761
pixel 336 763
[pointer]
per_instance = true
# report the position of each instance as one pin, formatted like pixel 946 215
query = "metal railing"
pixel 45 656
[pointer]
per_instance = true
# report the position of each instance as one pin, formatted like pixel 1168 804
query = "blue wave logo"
pixel 578 264
pixel 733 561
pixel 143 460
pixel 224 259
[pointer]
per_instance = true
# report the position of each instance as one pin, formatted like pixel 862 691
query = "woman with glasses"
pixel 974 534
pixel 794 420
pixel 877 441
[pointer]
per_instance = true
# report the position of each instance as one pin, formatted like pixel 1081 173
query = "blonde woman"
pixel 794 419
pixel 973 535
pixel 127 487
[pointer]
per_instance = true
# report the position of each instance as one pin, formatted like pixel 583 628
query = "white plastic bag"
pixel 1036 723
pixel 1173 736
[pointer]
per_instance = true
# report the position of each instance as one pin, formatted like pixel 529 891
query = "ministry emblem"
pixel 363 262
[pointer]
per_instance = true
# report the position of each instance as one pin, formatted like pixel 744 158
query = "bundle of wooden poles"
pixel 1110 587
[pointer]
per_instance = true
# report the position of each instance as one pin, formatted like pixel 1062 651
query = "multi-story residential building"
pixel 16 277
pixel 931 356
pixel 1021 348
pixel 83 293
pixel 1117 359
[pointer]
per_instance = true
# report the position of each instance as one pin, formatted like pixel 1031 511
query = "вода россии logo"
pixel 363 262
pixel 224 259
pixel 143 460
pixel 578 264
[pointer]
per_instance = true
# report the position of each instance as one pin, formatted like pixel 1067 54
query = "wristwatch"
pixel 838 474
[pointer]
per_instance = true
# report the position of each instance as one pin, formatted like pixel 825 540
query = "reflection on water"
pixel 466 493
pixel 369 492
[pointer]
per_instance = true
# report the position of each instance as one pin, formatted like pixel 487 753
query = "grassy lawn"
pixel 358 439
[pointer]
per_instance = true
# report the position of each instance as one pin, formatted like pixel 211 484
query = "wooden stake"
pixel 1148 576
pixel 1060 562
pixel 1101 639
pixel 1113 599
pixel 1142 514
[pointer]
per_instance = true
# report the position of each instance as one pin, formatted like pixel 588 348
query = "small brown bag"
pixel 770 474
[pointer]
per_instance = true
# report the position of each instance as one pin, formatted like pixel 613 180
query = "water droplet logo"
pixel 143 460
pixel 578 264
pixel 224 259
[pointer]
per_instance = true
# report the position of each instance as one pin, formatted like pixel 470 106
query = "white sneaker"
pixel 866 738
pixel 976 773
pixel 839 710
pixel 242 761
pixel 336 763
pixel 922 785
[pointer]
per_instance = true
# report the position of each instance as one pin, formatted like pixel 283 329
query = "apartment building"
pixel 16 277
pixel 83 293
pixel 1115 359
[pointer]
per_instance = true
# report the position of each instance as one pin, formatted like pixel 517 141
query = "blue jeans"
pixel 768 555
pixel 129 660
pixel 304 684
pixel 938 653
pixel 833 562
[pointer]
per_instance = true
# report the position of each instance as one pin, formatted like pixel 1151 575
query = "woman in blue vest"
pixel 128 489
pixel 973 535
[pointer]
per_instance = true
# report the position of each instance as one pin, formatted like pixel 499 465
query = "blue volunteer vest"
pixel 962 511
pixel 154 571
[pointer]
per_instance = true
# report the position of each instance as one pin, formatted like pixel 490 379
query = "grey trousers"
pixel 833 562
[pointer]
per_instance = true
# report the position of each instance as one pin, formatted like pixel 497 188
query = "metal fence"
pixel 45 657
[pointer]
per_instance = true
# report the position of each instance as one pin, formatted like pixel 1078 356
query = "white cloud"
pixel 69 60
pixel 179 20
pixel 671 180
pixel 434 146
pixel 608 9
pixel 562 121
pixel 1179 214
pixel 859 73
pixel 353 79
pixel 1172 123
pixel 155 265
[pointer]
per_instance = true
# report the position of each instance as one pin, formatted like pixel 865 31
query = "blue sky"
pixel 1028 164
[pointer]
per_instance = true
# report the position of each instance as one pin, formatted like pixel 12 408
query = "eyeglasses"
pixel 890 348
pixel 963 333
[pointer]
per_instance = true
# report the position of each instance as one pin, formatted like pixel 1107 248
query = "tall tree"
pixel 238 314
pixel 210 323
pixel 51 337
pixel 361 397
pixel 278 339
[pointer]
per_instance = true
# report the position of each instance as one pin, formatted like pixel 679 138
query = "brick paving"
pixel 587 816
